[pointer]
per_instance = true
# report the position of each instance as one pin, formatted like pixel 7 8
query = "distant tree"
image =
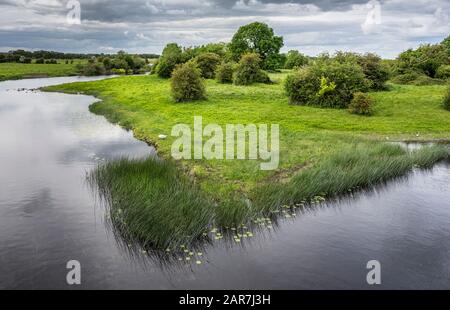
pixel 256 38
pixel 294 59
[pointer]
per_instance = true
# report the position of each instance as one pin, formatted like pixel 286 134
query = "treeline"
pixel 121 63
pixel 22 56
pixel 339 80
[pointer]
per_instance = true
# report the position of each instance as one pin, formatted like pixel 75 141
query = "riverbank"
pixel 323 152
pixel 18 71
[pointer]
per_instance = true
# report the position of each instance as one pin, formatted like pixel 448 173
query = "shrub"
pixel 326 83
pixel 119 71
pixel 405 78
pixel 447 99
pixel 248 71
pixel 187 83
pixel 417 79
pixel 294 59
pixel 257 38
pixel 207 63
pixel 40 61
pixel 443 72
pixel 171 56
pixel 93 69
pixel 361 104
pixel 426 59
pixel 224 73
pixel 374 70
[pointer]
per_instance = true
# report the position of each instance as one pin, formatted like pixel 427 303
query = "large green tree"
pixel 171 56
pixel 257 38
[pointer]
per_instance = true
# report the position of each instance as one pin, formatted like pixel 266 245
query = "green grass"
pixel 323 152
pixel 15 71
pixel 152 202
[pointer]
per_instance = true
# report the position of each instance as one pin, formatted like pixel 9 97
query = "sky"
pixel 385 27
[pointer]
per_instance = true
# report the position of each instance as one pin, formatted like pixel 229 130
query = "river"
pixel 49 216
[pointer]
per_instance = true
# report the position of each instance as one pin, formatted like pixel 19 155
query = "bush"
pixel 93 69
pixel 119 71
pixel 361 104
pixel 40 61
pixel 426 59
pixel 326 83
pixel 187 83
pixel 248 71
pixel 294 59
pixel 443 72
pixel 171 57
pixel 447 99
pixel 406 78
pixel 417 79
pixel 207 63
pixel 374 70
pixel 224 73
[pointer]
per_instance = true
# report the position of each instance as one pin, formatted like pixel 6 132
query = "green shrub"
pixel 187 83
pixel 447 99
pixel 443 72
pixel 207 63
pixel 171 57
pixel 93 69
pixel 119 71
pixel 40 60
pixel 424 80
pixel 295 59
pixel 224 73
pixel 416 79
pixel 374 70
pixel 248 71
pixel 361 104
pixel 405 78
pixel 326 83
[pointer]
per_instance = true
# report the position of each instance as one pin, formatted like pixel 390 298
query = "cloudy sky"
pixel 386 26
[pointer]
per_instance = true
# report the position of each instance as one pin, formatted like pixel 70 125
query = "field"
pixel 15 71
pixel 323 152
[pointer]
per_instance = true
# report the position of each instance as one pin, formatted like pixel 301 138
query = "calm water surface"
pixel 48 216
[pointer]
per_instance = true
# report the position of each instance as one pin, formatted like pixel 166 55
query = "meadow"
pixel 323 152
pixel 15 71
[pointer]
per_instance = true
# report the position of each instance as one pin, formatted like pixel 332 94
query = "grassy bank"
pixel 16 71
pixel 322 151
pixel 151 201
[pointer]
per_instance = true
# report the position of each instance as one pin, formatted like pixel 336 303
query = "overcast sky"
pixel 147 25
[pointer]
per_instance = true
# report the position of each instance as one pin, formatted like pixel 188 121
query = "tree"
pixel 207 63
pixel 295 59
pixel 171 56
pixel 248 71
pixel 446 43
pixel 256 38
pixel 426 59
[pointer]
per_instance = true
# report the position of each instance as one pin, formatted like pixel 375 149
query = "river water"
pixel 49 216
